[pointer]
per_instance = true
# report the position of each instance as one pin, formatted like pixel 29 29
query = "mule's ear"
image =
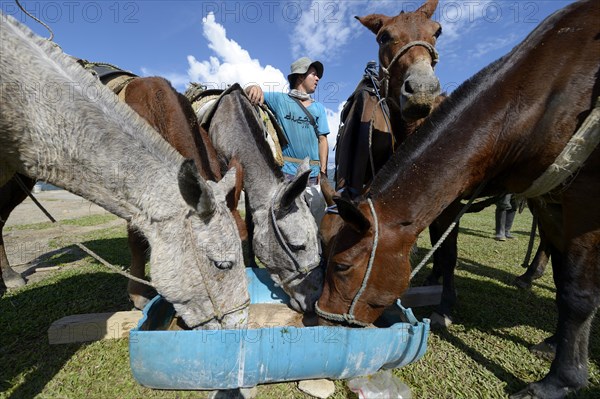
pixel 373 22
pixel 327 190
pixel 428 8
pixel 229 182
pixel 195 191
pixel 294 189
pixel 352 215
pixel 233 196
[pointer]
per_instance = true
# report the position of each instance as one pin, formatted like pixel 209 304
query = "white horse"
pixel 283 232
pixel 59 124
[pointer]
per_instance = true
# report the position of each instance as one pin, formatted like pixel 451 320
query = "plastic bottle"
pixel 381 385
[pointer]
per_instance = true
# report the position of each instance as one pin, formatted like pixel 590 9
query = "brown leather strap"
pixel 311 119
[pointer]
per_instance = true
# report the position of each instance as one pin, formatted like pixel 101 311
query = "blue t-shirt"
pixel 299 132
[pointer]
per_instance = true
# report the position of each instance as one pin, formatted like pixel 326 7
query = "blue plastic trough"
pixel 225 359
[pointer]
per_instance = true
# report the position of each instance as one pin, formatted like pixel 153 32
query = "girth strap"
pixel 299 161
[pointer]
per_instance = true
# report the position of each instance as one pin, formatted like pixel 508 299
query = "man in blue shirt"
pixel 306 134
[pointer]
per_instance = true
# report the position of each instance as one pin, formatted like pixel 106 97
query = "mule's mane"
pixel 258 134
pixel 66 65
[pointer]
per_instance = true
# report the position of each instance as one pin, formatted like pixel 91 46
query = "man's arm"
pixel 323 153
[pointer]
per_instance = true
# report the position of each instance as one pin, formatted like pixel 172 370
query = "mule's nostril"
pixel 408 88
pixel 226 265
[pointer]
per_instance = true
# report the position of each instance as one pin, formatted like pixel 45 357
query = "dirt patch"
pixel 29 247
pixel 60 203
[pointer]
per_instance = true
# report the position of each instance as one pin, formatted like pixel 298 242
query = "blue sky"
pixel 221 42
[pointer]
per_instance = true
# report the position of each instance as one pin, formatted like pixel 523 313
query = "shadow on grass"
pixel 513 383
pixel 113 250
pixel 26 314
pixel 487 305
pixel 490 235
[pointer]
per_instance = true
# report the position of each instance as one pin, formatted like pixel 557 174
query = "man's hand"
pixel 255 94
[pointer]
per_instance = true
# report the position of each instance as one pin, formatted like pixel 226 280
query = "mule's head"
pixel 196 256
pixel 367 266
pixel 407 56
pixel 293 259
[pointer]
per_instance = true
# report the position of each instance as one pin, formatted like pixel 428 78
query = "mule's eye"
pixel 384 38
pixel 296 247
pixel 223 265
pixel 438 33
pixel 341 268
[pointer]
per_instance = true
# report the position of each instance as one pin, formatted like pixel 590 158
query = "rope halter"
pixel 218 313
pixel 403 50
pixel 349 316
pixel 300 271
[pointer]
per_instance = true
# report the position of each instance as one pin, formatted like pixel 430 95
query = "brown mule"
pixel 504 127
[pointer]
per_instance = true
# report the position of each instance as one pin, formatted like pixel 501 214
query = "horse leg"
pixel 11 195
pixel 444 263
pixel 537 267
pixel 140 294
pixel 577 300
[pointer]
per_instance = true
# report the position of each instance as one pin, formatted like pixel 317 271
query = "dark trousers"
pixel 506 209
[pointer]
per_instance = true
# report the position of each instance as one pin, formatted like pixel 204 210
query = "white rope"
pixel 447 232
pixel 349 316
pixel 371 259
pixel 109 265
pixel 36 20
pixel 78 244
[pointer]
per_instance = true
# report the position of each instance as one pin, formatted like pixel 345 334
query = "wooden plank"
pixel 414 297
pixel 99 326
pixel 47 269
pixel 93 327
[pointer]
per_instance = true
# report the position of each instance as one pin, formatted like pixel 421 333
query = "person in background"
pixel 506 209
pixel 304 123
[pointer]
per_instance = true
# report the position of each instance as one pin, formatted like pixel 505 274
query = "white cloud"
pixel 459 18
pixel 324 28
pixel 333 120
pixel 231 63
pixel 481 49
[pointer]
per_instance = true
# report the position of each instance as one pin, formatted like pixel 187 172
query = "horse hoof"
pixel 544 350
pixel 538 391
pixel 15 282
pixel 522 283
pixel 440 321
pixel 139 301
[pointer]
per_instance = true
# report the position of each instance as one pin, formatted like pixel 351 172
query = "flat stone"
pixel 93 327
pixel 317 388
pixel 249 393
pixel 439 321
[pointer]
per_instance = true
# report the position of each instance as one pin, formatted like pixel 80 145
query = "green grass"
pixel 483 355
pixel 91 220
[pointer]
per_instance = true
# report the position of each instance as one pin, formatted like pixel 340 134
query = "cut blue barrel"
pixel 226 359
